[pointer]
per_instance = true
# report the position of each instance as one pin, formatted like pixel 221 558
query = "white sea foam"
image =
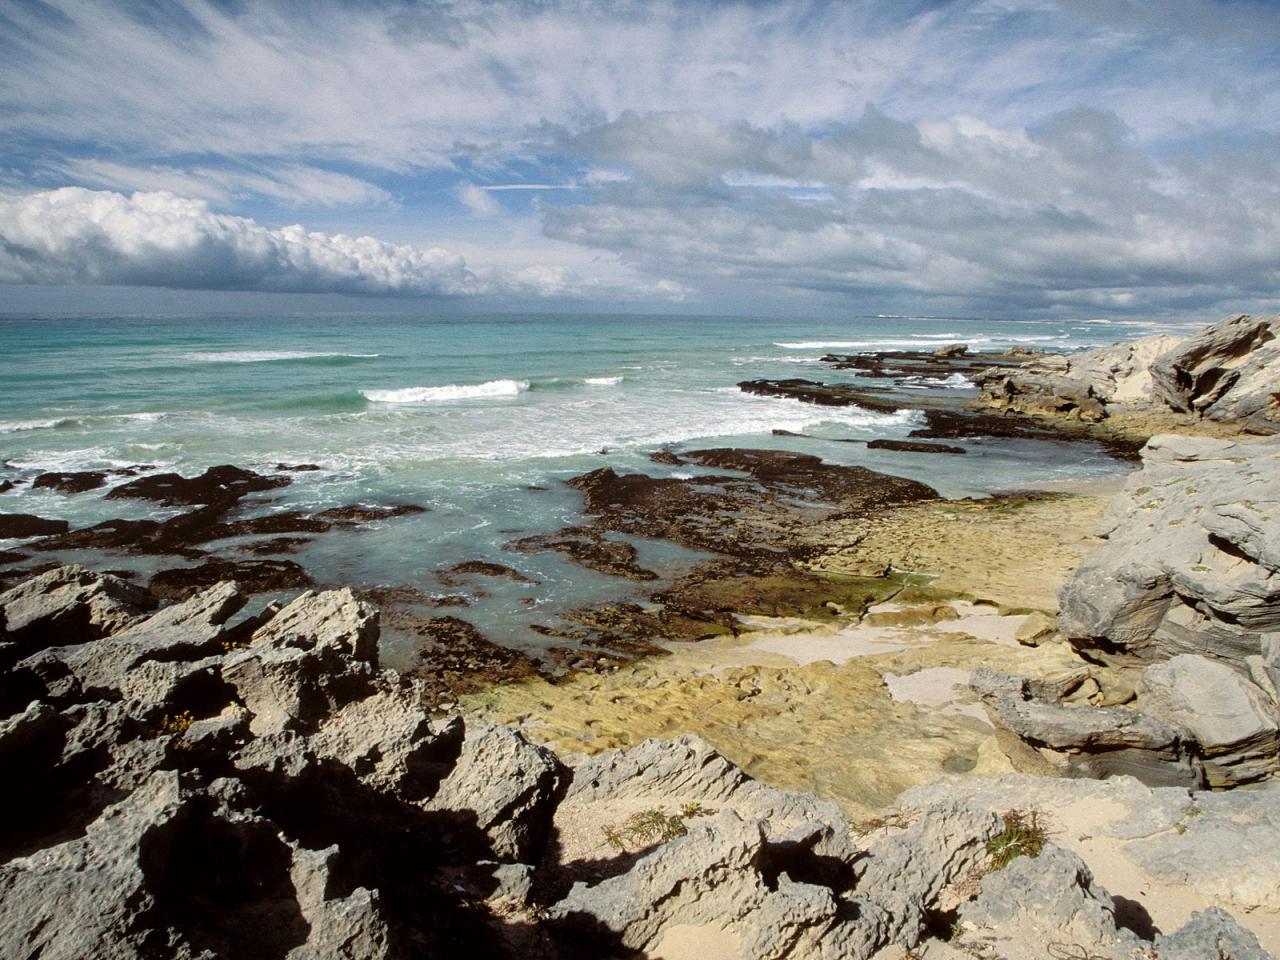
pixel 955 381
pixel 916 342
pixel 490 389
pixel 602 381
pixel 22 426
pixel 265 356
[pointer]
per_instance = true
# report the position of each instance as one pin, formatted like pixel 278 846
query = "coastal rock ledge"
pixel 197 783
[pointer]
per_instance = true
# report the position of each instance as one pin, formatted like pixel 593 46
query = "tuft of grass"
pixel 1024 835
pixel 651 826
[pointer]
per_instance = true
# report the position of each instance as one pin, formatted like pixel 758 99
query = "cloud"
pixel 292 184
pixel 1069 214
pixel 74 235
pixel 477 200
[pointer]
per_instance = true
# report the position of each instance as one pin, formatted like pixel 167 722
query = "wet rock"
pixel 456 658
pixel 455 575
pixel 1043 736
pixel 1235 723
pixel 1192 558
pixel 73 482
pixel 822 394
pixel 298 467
pixel 6 485
pixel 589 548
pixel 253 576
pixel 11 556
pixel 22 525
pixel 216 485
pixel 1229 371
pixel 666 458
pixel 359 513
pixel 913 446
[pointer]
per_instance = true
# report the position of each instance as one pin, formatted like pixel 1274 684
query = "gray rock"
pixel 901 879
pixel 69 605
pixel 165 641
pixel 504 786
pixel 1229 371
pixel 314 656
pixel 1046 737
pixel 1083 385
pixel 351 927
pixel 1037 901
pixel 88 896
pixel 689 770
pixel 1209 935
pixel 1235 723
pixel 1192 558
pixel 710 878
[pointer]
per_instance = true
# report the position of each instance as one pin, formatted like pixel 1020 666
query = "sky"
pixel 996 158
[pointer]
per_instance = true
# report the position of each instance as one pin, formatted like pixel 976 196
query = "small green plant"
pixel 1024 835
pixel 232 645
pixel 176 724
pixel 650 826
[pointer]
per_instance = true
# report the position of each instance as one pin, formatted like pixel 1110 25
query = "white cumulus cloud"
pixel 160 239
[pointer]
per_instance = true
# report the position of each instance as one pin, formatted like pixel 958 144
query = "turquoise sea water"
pixel 464 416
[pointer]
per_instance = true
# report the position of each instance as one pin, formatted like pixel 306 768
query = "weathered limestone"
pixel 68 605
pixel 1192 558
pixel 1236 725
pixel 1229 371
pixel 1041 735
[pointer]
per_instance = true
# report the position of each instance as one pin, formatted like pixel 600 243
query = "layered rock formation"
pixel 197 783
pixel 1184 596
pixel 1229 372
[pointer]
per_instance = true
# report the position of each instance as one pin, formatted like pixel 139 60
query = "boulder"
pixel 1211 933
pixel 20 526
pixel 1191 562
pixel 504 786
pixel 1236 725
pixel 1051 898
pixel 1041 735
pixel 1229 371
pixel 314 656
pixel 69 605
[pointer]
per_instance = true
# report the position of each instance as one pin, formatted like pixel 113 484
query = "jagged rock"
pixel 1046 737
pixel 1234 722
pixel 952 351
pixel 711 878
pixel 69 605
pixel 351 927
pixel 1213 847
pixel 88 897
pixel 504 786
pixel 1051 898
pixel 383 737
pixel 1082 385
pixel 1229 371
pixel 688 770
pixel 165 641
pixel 312 657
pixel 1210 934
pixel 901 880
pixel 1192 558
pixel 223 484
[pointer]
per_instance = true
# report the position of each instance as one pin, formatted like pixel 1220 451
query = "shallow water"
pixel 465 416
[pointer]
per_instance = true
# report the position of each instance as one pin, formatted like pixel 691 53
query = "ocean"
pixel 478 419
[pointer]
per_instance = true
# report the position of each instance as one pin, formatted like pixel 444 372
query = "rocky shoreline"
pixel 205 779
